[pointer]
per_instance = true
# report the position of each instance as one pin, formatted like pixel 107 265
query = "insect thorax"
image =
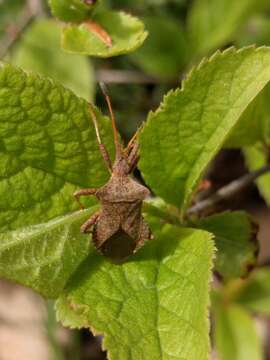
pixel 122 189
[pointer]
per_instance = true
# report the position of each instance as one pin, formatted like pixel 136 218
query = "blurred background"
pixel 181 33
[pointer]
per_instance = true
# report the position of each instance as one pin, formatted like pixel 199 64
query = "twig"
pixel 36 7
pixel 125 77
pixel 10 39
pixel 228 190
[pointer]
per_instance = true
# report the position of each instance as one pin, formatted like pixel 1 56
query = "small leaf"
pixel 235 239
pixel 153 306
pixel 256 157
pixel 165 51
pixel 39 46
pixel 255 292
pixel 71 10
pixel 214 23
pixel 182 137
pixel 44 256
pixel 235 334
pixel 126 32
pixel 48 148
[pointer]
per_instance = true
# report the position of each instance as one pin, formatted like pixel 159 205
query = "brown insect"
pixel 118 228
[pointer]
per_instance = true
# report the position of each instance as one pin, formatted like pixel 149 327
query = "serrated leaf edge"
pixel 81 309
pixel 177 92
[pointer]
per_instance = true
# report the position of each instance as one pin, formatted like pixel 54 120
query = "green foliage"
pixel 235 334
pixel 127 34
pixel 256 31
pixel 235 239
pixel 256 157
pixel 48 148
pixel 165 51
pixel 186 132
pixel 254 294
pixel 213 23
pixel 153 306
pixel 44 256
pixel 235 329
pixel 40 47
pixel 254 125
pixel 71 10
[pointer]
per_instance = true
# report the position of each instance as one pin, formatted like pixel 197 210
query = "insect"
pixel 118 229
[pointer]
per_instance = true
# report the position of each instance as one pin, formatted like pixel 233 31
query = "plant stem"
pixel 228 190
pixel 10 39
pixel 126 77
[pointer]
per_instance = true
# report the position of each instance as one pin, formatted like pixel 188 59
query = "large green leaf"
pixel 235 334
pixel 39 50
pixel 48 148
pixel 181 138
pixel 153 306
pixel 165 51
pixel 255 292
pixel 126 32
pixel 213 23
pixel 256 157
pixel 235 239
pixel 44 256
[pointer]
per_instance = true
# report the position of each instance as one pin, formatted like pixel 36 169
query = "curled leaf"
pixel 121 34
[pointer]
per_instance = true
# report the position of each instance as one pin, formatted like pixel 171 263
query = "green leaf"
pixel 44 256
pixel 235 334
pixel 255 292
pixel 254 125
pixel 256 157
pixel 71 10
pixel 40 46
pixel 165 51
pixel 212 23
pixel 48 148
pixel 181 138
pixel 153 306
pixel 127 34
pixel 235 239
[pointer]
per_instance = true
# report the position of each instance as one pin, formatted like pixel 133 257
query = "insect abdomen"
pixel 117 247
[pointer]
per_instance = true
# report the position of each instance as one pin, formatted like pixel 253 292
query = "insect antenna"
pixel 118 146
pixel 102 147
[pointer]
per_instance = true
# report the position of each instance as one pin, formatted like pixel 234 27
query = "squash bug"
pixel 118 229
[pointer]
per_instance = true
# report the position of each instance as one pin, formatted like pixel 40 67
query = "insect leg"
pixel 145 234
pixel 89 223
pixel 83 192
pixel 102 147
